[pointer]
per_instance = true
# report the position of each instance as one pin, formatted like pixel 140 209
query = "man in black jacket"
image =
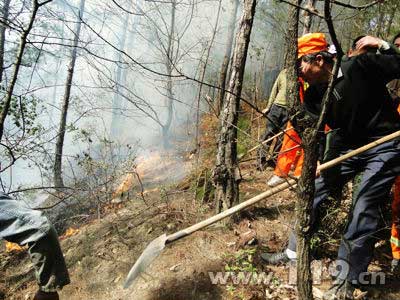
pixel 361 111
pixel 25 226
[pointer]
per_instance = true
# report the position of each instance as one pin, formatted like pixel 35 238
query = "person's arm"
pixel 385 66
pixel 374 42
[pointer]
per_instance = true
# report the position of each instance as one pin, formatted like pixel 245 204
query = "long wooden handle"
pixel 291 182
pixel 264 142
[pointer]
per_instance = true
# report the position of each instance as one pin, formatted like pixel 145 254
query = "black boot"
pixel 276 258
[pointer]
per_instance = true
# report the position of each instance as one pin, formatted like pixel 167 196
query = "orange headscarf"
pixel 311 43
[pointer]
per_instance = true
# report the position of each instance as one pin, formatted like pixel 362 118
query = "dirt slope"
pixel 100 255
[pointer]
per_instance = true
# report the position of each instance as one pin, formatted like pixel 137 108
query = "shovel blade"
pixel 146 258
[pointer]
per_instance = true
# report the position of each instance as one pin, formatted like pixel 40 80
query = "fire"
pixel 125 186
pixel 70 232
pixel 12 247
pixel 165 167
pixel 152 166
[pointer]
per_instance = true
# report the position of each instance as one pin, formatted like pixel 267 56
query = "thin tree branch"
pixel 13 159
pixel 127 11
pixel 44 3
pixel 336 66
pixel 313 12
pixel 361 7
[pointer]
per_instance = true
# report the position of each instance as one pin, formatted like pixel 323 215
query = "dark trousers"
pixel 277 119
pixel 276 122
pixel 24 226
pixel 380 166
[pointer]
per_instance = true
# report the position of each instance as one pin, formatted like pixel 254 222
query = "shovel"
pixel 156 246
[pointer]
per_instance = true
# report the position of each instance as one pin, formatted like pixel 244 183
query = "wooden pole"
pixel 281 187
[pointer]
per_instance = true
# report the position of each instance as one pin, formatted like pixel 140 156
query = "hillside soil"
pixel 101 251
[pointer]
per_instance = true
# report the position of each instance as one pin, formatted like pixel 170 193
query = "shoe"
pixel 342 290
pixel 40 295
pixel 395 266
pixel 275 180
pixel 276 258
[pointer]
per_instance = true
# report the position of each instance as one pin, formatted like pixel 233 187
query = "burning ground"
pixel 101 253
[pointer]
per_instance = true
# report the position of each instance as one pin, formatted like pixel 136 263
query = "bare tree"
pixel 119 80
pixel 305 190
pixel 308 128
pixel 226 173
pixel 57 170
pixel 308 16
pixel 168 62
pixel 23 41
pixel 4 17
pixel 228 51
pixel 203 73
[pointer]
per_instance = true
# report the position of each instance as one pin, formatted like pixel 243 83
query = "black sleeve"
pixel 384 67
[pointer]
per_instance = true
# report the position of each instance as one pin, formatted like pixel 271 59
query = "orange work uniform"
pixel 395 232
pixel 291 154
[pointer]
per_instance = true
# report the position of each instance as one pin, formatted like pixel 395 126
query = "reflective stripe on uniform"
pixel 395 241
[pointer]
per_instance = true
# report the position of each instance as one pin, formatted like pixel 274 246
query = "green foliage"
pixel 23 113
pixel 315 243
pixel 231 290
pixel 241 261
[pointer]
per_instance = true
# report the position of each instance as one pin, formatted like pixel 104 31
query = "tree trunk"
pixel 228 51
pixel 393 12
pixel 17 64
pixel 308 17
pixel 203 73
pixel 226 173
pixel 5 12
pixel 305 190
pixel 58 180
pixel 169 67
pixel 57 78
pixel 119 81
pixel 380 22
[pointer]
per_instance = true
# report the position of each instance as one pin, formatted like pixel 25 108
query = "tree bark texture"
pixel 5 12
pixel 308 17
pixel 226 174
pixel 305 191
pixel 228 52
pixel 58 180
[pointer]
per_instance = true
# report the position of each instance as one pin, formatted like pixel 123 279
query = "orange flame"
pixel 12 247
pixel 70 232
pixel 125 186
